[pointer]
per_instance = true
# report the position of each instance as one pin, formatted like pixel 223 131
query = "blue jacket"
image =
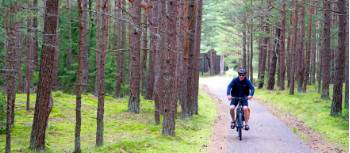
pixel 238 88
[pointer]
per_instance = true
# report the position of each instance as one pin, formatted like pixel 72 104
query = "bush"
pixel 2 113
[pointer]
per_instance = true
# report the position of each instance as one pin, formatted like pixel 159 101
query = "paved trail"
pixel 267 133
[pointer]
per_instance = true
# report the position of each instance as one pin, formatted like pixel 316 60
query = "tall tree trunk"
pixel 191 56
pixel 69 29
pixel 157 91
pixel 325 54
pixel 168 66
pixel 300 48
pixel 44 101
pixel 197 53
pixel 263 53
pixel 244 39
pixel 135 35
pixel 11 70
pixel 29 65
pixel 35 29
pixel 82 60
pixel 144 50
pixel 282 52
pixel 347 60
pixel 294 47
pixel 308 49
pixel 153 21
pixel 184 22
pixel 273 63
pixel 251 46
pixel 336 108
pixel 122 49
pixel 118 4
pixel 313 51
pixel 102 49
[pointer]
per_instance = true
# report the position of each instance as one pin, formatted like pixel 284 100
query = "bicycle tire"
pixel 240 134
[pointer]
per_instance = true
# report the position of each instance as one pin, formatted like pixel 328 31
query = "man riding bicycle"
pixel 240 87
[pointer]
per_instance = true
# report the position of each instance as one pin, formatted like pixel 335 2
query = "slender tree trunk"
pixel 244 39
pixel 157 60
pixel 69 29
pixel 118 5
pixel 263 54
pixel 273 63
pixel 120 53
pixel 44 101
pixel 281 59
pixel 11 70
pixel 308 49
pixel 251 46
pixel 197 37
pixel 135 35
pixel 144 52
pixel 29 66
pixel 168 65
pixel 35 29
pixel 294 47
pixel 101 51
pixel 153 21
pixel 82 55
pixel 300 48
pixel 336 108
pixel 325 55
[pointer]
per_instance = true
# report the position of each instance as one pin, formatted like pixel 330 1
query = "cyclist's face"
pixel 241 76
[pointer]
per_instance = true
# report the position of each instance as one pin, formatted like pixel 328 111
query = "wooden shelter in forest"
pixel 212 63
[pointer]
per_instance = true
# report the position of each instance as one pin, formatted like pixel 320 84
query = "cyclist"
pixel 240 87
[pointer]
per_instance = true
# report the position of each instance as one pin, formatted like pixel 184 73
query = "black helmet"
pixel 242 71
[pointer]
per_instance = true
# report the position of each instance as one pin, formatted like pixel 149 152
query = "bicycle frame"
pixel 240 116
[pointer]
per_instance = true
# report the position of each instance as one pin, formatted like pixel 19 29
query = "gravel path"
pixel 267 133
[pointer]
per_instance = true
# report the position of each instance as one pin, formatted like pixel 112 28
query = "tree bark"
pixel 135 35
pixel 308 48
pixel 69 29
pixel 101 51
pixel 44 101
pixel 282 52
pixel 294 47
pixel 168 66
pixel 273 63
pixel 336 108
pixel 11 29
pixel 325 54
pixel 82 60
pixel 154 43
pixel 29 65
pixel 118 5
pixel 347 60
pixel 300 48
pixel 144 50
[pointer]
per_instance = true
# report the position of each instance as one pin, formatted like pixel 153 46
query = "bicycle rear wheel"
pixel 240 133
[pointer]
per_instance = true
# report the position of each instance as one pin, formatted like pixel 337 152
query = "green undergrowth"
pixel 123 131
pixel 313 111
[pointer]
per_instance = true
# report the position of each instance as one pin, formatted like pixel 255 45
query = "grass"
pixel 313 111
pixel 123 131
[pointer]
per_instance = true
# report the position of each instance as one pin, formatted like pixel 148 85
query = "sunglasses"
pixel 241 74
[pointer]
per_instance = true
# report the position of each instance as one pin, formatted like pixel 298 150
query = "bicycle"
pixel 240 116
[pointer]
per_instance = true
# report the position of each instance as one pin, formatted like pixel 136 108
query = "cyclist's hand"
pixel 250 97
pixel 229 97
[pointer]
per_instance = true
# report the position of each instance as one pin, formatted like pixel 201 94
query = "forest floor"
pixel 271 130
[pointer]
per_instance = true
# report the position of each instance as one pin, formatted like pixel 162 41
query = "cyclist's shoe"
pixel 233 124
pixel 246 127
